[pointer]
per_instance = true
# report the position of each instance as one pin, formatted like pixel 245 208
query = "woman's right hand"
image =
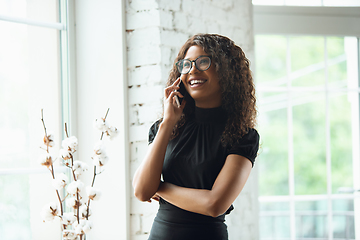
pixel 172 112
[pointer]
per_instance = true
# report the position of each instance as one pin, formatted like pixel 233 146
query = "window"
pixel 308 98
pixel 32 73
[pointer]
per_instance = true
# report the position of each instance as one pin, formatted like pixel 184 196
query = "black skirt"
pixel 172 223
pixel 162 230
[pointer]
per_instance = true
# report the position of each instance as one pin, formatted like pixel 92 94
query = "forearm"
pixel 147 177
pixel 194 200
pixel 223 193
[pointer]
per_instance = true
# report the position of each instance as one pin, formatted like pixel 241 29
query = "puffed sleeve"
pixel 247 146
pixel 153 131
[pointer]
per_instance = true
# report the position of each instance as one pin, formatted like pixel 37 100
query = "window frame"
pixel 317 21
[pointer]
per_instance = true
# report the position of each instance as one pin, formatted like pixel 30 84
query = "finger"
pixel 177 82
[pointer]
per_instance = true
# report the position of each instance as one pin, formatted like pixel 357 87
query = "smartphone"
pixel 183 91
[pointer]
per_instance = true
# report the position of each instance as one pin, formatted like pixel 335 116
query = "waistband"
pixel 170 213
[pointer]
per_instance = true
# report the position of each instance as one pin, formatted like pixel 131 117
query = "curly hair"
pixel 235 80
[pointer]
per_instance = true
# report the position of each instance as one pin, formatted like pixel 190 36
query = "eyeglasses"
pixel 202 63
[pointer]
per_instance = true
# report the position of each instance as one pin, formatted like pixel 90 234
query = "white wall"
pixel 100 85
pixel 156 29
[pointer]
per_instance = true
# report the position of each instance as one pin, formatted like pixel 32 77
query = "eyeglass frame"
pixel 193 61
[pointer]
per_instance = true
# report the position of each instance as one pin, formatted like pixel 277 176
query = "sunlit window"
pixel 308 97
pixel 29 81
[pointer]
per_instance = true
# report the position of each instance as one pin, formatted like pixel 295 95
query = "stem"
pixel 92 185
pixel 78 207
pixel 57 191
pixel 66 131
pixel 93 181
pixel 42 119
pixel 107 112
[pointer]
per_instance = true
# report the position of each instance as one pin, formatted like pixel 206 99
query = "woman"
pixel 206 147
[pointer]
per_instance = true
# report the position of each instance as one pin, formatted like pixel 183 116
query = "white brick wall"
pixel 156 29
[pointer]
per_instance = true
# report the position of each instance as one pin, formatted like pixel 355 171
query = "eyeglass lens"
pixel 202 63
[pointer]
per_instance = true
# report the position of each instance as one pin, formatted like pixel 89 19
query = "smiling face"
pixel 203 86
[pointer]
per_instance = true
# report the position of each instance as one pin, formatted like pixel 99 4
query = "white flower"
pixel 75 187
pixel 87 226
pixel 46 160
pixel 49 140
pixel 100 161
pixel 49 211
pixel 112 132
pixel 64 154
pixel 68 218
pixel 60 181
pixel 101 124
pixel 83 227
pixel 80 167
pixel 99 148
pixel 72 202
pixel 69 235
pixel 83 211
pixel 70 144
pixel 93 193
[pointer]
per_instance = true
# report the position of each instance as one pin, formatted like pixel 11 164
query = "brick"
pixel 171 38
pixel 143 19
pixel 138 133
pixel 193 7
pixel 143 56
pixel 196 25
pixel 166 19
pixel 181 21
pixel 173 5
pixel 145 94
pixel 141 5
pixel 149 113
pixel 144 37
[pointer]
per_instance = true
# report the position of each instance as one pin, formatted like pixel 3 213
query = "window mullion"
pixel 291 144
pixel 328 143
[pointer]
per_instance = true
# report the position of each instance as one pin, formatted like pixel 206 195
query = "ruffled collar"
pixel 210 115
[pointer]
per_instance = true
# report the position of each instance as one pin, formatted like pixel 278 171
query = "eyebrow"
pixel 197 57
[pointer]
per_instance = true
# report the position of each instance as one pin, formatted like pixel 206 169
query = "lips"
pixel 196 82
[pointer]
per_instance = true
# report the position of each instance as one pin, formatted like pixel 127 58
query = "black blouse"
pixel 195 157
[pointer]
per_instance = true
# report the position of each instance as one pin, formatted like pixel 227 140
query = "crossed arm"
pixel 214 202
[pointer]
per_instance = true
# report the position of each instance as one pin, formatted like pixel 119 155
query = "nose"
pixel 193 67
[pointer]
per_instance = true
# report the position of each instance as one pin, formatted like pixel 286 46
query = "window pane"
pixel 29 82
pixel 307 61
pixel 33 9
pixel 273 157
pixel 341 142
pixel 343 219
pixel 14 206
pixel 274 227
pixel 337 72
pixel 309 143
pixel 311 219
pixel 271 59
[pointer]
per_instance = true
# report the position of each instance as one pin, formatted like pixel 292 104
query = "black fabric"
pixel 194 159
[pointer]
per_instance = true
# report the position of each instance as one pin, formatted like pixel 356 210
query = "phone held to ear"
pixel 183 91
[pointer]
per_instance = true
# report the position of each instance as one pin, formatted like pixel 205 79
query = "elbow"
pixel 216 208
pixel 141 194
pixel 141 197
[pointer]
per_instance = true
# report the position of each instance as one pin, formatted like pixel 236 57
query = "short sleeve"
pixel 153 131
pixel 247 146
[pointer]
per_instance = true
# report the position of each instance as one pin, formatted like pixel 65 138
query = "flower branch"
pixel 78 219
